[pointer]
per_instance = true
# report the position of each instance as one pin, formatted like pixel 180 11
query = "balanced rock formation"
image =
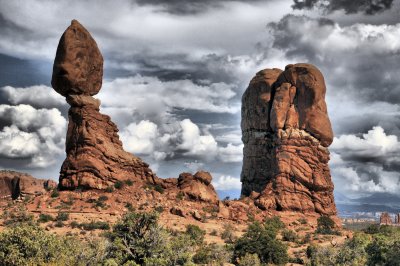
pixel 286 133
pixel 15 185
pixel 95 157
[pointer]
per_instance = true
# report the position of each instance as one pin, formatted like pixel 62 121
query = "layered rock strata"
pixel 286 133
pixel 95 156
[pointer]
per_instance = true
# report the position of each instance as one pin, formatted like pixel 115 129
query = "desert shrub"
pixel 249 260
pixel 212 254
pixel 62 217
pixel 109 189
pixel 274 224
pixel 180 195
pixel 139 240
pixel 302 221
pixel 31 245
pixel 59 224
pixel 55 193
pixel 102 198
pixel 44 218
pixel 261 239
pixel 159 188
pixel 228 233
pixel 325 226
pixel 195 233
pixel 214 232
pixel 93 225
pixel 159 209
pixel 128 182
pixel 289 235
pixel 17 217
pixel 118 185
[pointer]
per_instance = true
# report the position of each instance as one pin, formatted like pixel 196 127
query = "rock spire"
pixel 286 133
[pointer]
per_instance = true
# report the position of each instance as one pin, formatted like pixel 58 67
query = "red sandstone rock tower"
pixel 286 133
pixel 95 157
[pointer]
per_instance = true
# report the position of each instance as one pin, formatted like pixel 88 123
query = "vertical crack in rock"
pixel 95 157
pixel 286 133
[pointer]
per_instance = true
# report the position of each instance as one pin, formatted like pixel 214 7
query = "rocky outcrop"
pixel 15 185
pixel 95 157
pixel 198 186
pixel 286 134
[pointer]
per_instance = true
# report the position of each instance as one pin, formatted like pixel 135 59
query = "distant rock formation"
pixel 195 187
pixel 15 185
pixel 385 219
pixel 95 157
pixel 286 132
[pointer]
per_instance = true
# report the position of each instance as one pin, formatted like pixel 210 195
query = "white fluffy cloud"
pixel 375 143
pixel 363 164
pixel 183 138
pixel 151 96
pixel 34 134
pixel 226 182
pixel 39 96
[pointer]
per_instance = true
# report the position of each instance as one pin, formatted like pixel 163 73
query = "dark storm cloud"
pixel 183 7
pixel 360 59
pixel 368 7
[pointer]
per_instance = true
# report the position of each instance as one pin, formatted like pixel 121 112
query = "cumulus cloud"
pixel 226 182
pixel 39 96
pixel 368 7
pixel 366 163
pixel 183 139
pixel 150 96
pixel 36 135
pixel 356 59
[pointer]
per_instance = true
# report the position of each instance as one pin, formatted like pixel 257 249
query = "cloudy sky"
pixel 175 71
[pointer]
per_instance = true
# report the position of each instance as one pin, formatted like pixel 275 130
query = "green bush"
pixel 44 218
pixel 55 193
pixel 180 195
pixel 195 233
pixel 31 245
pixel 159 188
pixel 159 209
pixel 212 254
pixel 289 235
pixel 249 260
pixel 325 226
pixel 62 217
pixel 138 239
pixel 17 217
pixel 100 225
pixel 129 182
pixel 109 189
pixel 228 234
pixel 261 239
pixel 118 185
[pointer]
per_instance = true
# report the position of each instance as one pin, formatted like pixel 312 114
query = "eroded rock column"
pixel 286 134
pixel 95 157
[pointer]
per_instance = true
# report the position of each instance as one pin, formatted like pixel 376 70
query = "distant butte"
pixel 286 134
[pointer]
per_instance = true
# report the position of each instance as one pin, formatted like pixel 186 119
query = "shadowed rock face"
pixel 286 132
pixel 95 157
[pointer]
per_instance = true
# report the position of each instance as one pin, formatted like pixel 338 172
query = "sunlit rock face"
pixel 95 157
pixel 286 132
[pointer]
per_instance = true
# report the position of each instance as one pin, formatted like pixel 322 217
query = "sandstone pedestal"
pixel 95 157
